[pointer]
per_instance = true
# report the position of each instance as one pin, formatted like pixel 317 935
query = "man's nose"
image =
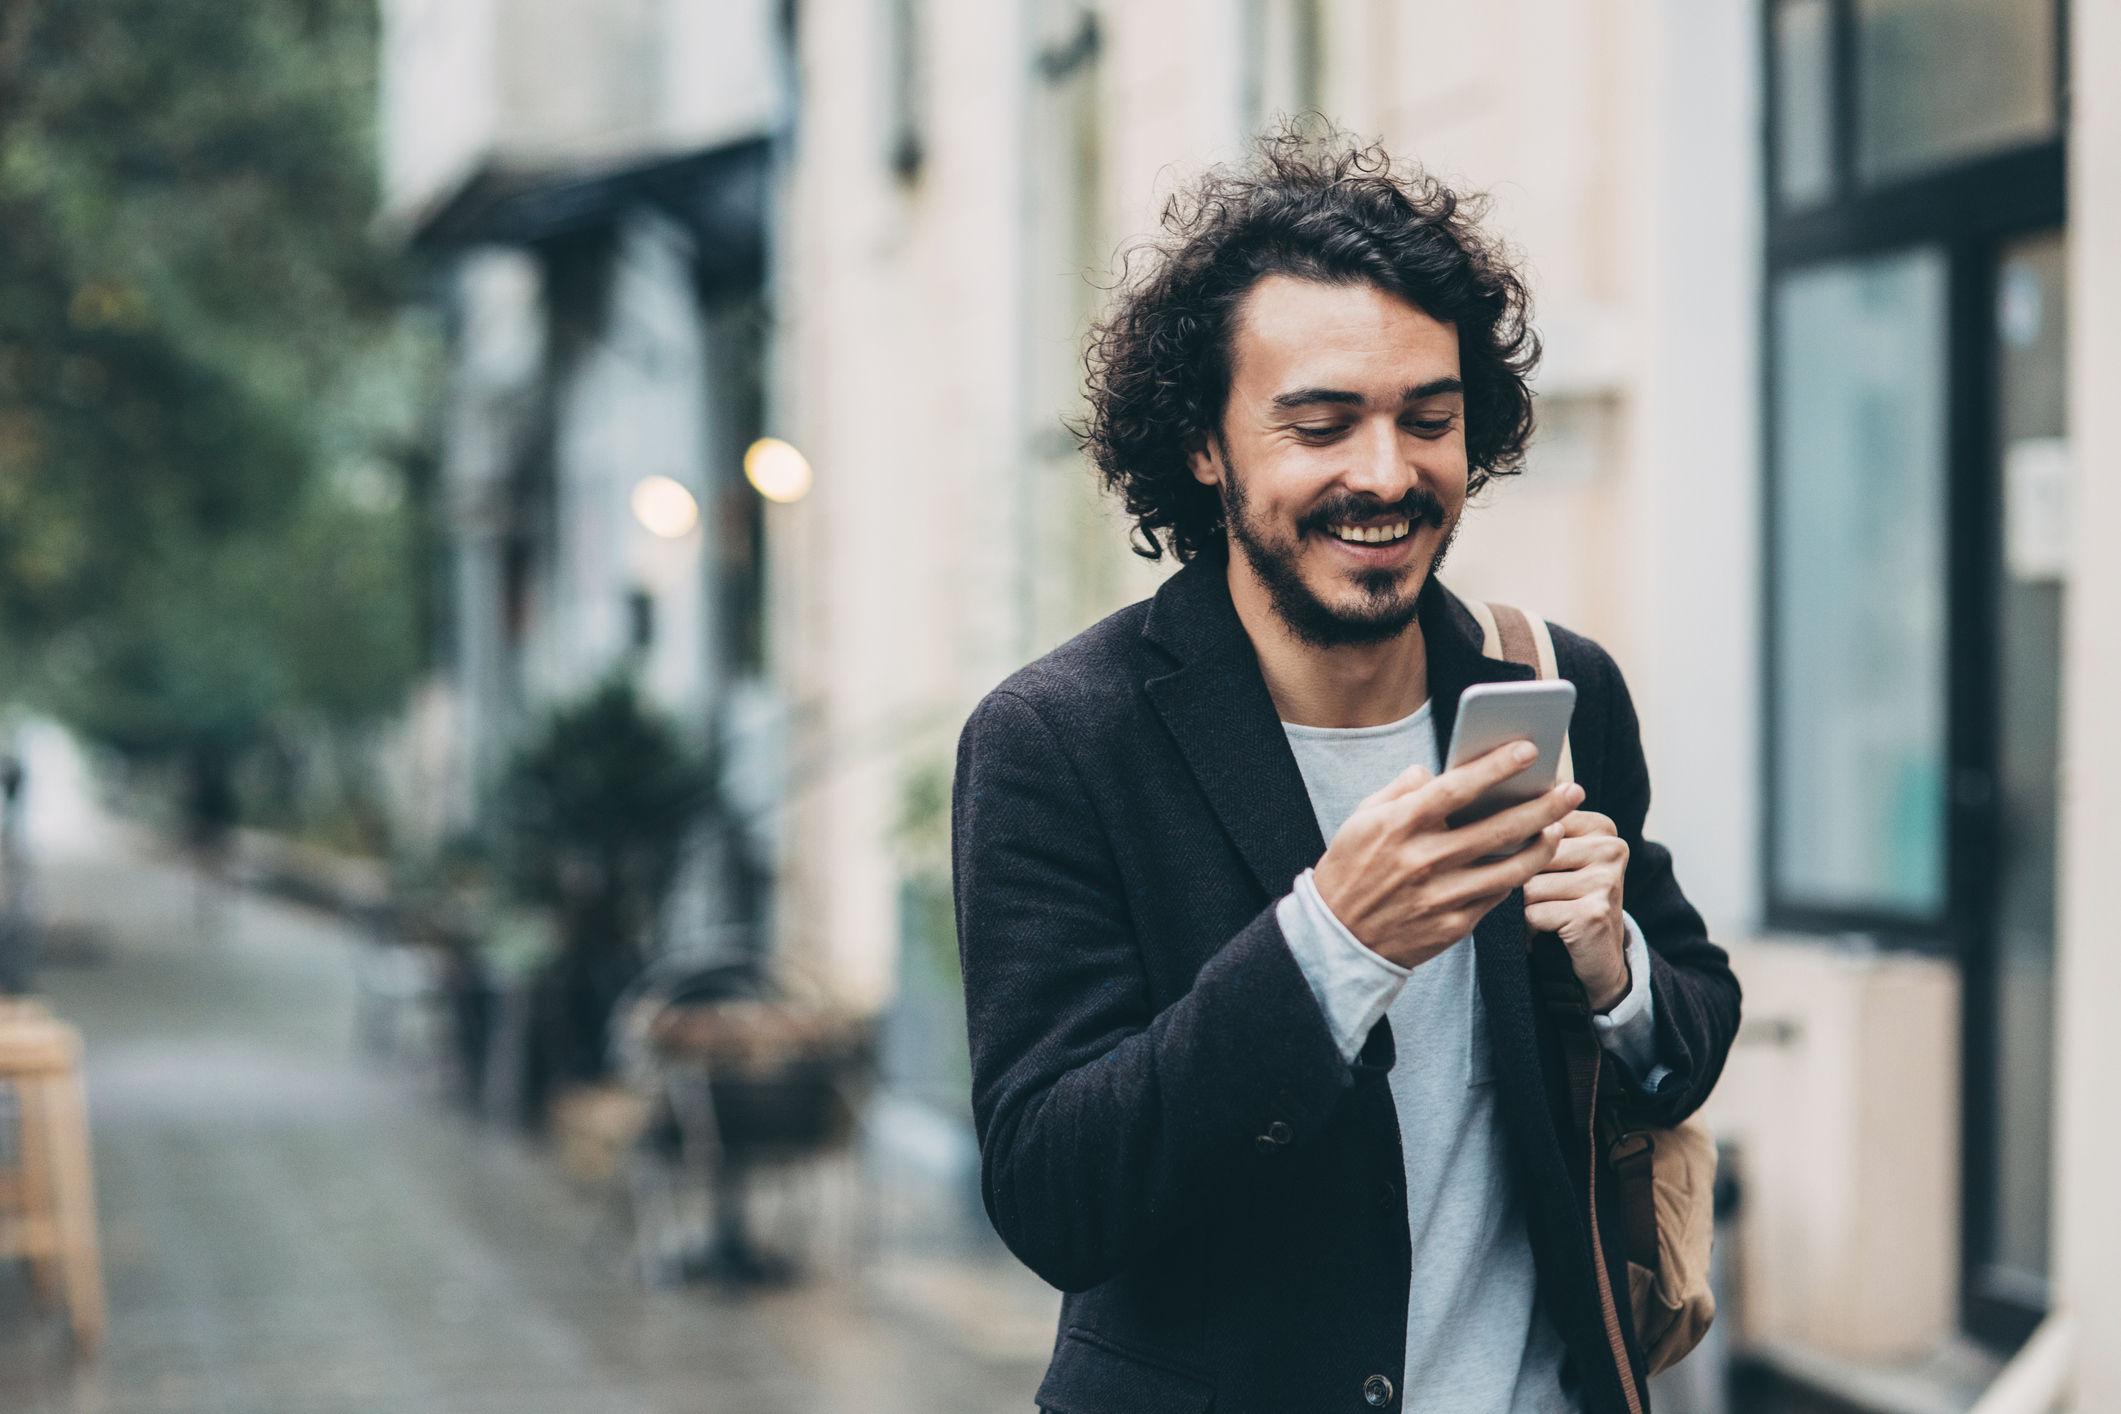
pixel 1377 465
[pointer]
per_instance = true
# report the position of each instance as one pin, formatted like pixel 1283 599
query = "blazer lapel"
pixel 1218 710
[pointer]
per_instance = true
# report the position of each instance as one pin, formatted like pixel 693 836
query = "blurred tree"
pixel 209 401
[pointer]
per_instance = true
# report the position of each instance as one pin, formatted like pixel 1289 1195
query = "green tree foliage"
pixel 209 401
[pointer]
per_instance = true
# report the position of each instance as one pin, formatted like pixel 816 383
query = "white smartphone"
pixel 1493 714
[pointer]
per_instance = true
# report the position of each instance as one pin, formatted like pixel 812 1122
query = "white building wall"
pixel 2087 1232
pixel 900 341
pixel 441 96
pixel 550 85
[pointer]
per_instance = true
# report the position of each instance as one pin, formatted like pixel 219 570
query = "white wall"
pixel 1698 506
pixel 899 329
pixel 2087 1233
pixel 551 85
pixel 440 96
pixel 1842 1097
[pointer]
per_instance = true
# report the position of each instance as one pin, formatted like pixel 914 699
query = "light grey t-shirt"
pixel 1478 1341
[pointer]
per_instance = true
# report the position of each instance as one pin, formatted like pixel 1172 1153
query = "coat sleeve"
pixel 1693 992
pixel 1106 1126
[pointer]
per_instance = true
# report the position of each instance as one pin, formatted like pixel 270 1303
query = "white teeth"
pixel 1372 534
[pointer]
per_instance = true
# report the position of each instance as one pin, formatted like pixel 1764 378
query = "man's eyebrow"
pixel 1308 397
pixel 1312 397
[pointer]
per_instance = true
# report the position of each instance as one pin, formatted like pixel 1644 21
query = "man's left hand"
pixel 1579 897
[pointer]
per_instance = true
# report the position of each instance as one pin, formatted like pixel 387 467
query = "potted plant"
pixel 597 810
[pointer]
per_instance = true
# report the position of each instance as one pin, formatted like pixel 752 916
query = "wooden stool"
pixel 48 1199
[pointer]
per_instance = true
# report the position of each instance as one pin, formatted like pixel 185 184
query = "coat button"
pixel 1280 1133
pixel 1377 1391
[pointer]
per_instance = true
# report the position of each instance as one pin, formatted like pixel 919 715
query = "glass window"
pixel 2031 340
pixel 1859 585
pixel 1939 80
pixel 1804 102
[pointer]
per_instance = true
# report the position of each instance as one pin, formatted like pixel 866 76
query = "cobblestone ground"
pixel 290 1229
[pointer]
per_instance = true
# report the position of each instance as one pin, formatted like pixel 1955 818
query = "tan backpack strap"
pixel 1554 978
pixel 1514 633
pixel 1490 639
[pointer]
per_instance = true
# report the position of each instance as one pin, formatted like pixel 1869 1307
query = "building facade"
pixel 1819 454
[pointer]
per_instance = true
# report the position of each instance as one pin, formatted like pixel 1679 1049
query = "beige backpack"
pixel 1667 1177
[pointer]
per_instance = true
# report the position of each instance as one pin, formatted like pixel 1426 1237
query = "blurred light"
pixel 665 507
pixel 778 470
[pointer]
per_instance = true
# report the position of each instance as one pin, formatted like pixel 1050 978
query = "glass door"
pixel 2011 993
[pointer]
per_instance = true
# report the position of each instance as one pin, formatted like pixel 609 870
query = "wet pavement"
pixel 291 1227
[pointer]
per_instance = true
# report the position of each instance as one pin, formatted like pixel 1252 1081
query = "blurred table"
pixel 752 1083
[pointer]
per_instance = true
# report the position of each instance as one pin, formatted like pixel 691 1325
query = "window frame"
pixel 1970 209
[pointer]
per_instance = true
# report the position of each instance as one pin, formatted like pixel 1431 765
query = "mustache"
pixel 1420 506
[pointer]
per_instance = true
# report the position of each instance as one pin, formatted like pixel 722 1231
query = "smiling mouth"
pixel 1382 534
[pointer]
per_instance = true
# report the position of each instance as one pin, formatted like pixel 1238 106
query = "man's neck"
pixel 1351 685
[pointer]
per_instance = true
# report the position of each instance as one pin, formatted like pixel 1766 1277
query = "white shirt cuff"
pixel 1354 986
pixel 1629 1030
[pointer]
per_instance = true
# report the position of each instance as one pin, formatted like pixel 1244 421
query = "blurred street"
pixel 290 1227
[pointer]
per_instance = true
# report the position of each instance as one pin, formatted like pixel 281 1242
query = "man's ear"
pixel 1204 460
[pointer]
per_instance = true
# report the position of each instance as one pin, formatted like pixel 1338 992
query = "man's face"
pixel 1342 459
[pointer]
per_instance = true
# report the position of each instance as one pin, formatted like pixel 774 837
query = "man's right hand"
pixel 1407 885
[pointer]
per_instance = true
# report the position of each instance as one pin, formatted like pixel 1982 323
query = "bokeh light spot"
pixel 777 470
pixel 665 507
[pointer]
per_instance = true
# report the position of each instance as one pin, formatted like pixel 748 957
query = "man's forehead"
pixel 1332 335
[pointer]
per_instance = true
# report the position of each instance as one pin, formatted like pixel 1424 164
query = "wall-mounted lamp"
pixel 777 470
pixel 665 507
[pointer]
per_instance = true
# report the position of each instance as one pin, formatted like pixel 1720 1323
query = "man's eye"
pixel 1432 427
pixel 1326 431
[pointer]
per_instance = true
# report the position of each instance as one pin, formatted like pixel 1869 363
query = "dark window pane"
pixel 2031 341
pixel 1859 585
pixel 1804 102
pixel 1939 80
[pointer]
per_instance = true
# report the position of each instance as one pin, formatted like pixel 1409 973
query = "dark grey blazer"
pixel 1167 1130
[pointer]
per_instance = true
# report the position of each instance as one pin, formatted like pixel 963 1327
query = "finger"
pixel 1505 828
pixel 1584 851
pixel 1462 785
pixel 1506 874
pixel 1549 917
pixel 1562 886
pixel 1590 822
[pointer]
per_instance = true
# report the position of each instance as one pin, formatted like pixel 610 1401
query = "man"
pixel 1282 1117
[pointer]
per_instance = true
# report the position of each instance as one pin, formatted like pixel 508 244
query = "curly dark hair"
pixel 1318 208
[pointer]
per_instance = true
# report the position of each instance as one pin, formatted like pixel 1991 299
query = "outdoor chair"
pixel 47 1191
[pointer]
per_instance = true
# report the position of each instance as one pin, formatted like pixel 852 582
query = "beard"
pixel 1389 598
